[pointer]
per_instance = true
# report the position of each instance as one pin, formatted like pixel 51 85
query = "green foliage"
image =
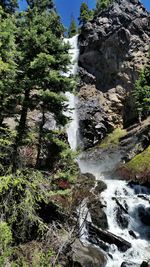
pixel 72 28
pixel 9 6
pixel 102 4
pixel 141 93
pixel 140 162
pixel 138 168
pixel 33 60
pixel 66 166
pixel 40 4
pixel 113 138
pixel 7 138
pixel 5 241
pixel 85 14
pixel 8 66
pixel 20 196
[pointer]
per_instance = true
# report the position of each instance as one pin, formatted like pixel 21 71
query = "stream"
pixel 133 199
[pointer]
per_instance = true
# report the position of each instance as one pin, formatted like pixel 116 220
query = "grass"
pixel 140 162
pixel 138 168
pixel 112 139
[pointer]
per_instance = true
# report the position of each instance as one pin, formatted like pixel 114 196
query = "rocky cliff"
pixel 113 49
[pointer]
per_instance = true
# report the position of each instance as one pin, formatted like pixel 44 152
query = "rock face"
pixel 113 49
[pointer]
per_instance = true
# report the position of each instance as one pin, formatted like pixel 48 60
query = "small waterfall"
pixel 131 199
pixel 118 194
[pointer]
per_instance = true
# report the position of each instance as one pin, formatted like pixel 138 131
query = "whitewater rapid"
pixel 131 198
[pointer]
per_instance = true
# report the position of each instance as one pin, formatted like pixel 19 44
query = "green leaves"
pixel 5 241
pixel 85 14
pixel 73 28
pixel 102 4
pixel 141 92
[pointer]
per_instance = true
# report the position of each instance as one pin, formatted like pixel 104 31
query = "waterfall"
pixel 131 198
pixel 72 127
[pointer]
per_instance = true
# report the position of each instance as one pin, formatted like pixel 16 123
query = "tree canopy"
pixel 85 13
pixel 141 91
pixel 102 4
pixel 72 28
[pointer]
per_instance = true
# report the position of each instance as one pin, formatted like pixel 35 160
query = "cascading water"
pixel 72 128
pixel 130 198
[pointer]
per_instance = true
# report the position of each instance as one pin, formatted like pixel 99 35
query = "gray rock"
pixel 100 187
pixel 86 256
pixel 145 264
pixel 129 264
pixel 113 49
pixel 98 216
pixel 144 214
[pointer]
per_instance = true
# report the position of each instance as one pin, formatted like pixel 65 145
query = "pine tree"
pixel 141 93
pixel 41 4
pixel 85 14
pixel 102 4
pixel 9 6
pixel 44 59
pixel 73 28
pixel 8 66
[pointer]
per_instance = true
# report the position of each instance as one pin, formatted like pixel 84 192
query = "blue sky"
pixel 68 7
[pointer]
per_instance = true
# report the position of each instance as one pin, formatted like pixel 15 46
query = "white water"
pixel 129 198
pixel 72 128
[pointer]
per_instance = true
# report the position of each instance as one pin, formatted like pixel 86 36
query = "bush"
pixel 5 241
pixel 102 4
pixel 20 197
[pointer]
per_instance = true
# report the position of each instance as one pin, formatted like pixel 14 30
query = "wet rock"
pixel 98 216
pixel 86 256
pixel 144 214
pixel 132 233
pixel 93 124
pixel 84 185
pixel 122 218
pixel 101 186
pixel 129 264
pixel 145 264
pixel 121 213
pixel 108 237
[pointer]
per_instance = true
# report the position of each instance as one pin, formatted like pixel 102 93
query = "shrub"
pixel 5 241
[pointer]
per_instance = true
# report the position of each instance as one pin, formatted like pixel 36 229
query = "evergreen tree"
pixel 41 4
pixel 102 4
pixel 44 59
pixel 85 14
pixel 141 92
pixel 73 28
pixel 9 6
pixel 8 66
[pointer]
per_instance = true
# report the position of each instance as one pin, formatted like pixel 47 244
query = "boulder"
pixel 144 214
pixel 100 187
pixel 86 256
pixel 98 216
pixel 145 264
pixel 129 264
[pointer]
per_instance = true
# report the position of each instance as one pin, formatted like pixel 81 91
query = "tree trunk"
pixel 21 128
pixel 40 138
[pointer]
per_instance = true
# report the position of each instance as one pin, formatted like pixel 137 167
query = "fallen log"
pixel 108 237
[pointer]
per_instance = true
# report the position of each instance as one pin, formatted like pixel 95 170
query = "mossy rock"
pixel 113 139
pixel 137 168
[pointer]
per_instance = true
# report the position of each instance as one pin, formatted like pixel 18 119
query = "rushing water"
pixel 130 198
